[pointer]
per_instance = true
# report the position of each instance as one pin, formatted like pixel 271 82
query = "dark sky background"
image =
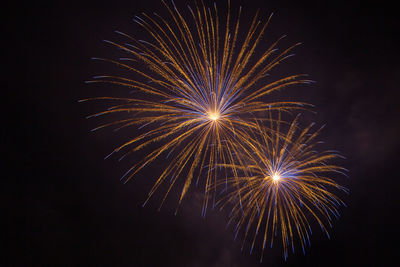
pixel 65 205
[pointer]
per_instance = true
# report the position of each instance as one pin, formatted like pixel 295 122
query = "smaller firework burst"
pixel 281 185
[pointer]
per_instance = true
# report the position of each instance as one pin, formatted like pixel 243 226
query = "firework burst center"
pixel 214 116
pixel 276 177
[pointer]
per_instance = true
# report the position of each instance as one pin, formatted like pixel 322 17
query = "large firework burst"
pixel 282 183
pixel 199 85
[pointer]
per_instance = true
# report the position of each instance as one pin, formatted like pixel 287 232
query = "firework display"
pixel 198 93
pixel 202 100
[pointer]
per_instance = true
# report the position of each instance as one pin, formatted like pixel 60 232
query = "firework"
pixel 199 84
pixel 282 184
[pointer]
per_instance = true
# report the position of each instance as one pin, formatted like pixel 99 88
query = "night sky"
pixel 65 205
